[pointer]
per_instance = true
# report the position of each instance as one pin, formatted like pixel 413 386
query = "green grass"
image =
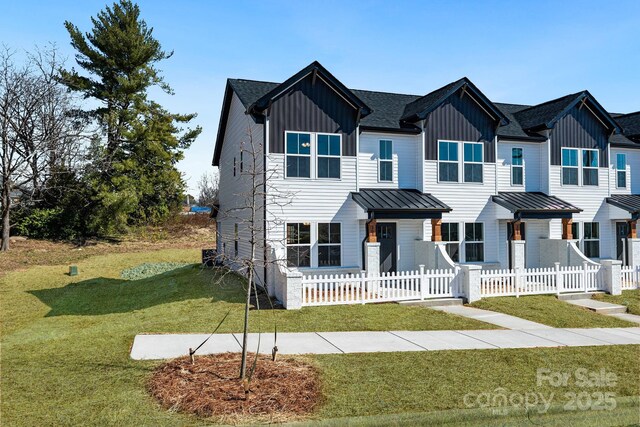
pixel 548 310
pixel 65 345
pixel 630 298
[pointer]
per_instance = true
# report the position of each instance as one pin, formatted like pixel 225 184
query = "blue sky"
pixel 514 51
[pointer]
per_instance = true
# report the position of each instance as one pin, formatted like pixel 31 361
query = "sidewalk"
pixel 495 318
pixel 165 346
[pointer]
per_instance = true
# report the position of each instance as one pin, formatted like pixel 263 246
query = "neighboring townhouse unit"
pixel 346 180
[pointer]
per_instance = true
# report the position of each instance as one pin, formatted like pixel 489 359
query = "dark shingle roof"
pixel 630 124
pixel 389 108
pixel 513 128
pixel 541 114
pixel 397 200
pixel 426 101
pixel 533 202
pixel 628 202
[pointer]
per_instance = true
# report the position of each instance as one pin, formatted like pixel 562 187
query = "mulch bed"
pixel 283 390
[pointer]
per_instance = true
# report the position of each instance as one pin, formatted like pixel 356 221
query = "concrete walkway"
pixel 600 307
pixel 167 346
pixel 500 319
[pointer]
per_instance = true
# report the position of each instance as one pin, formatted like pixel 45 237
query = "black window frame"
pixel 471 241
pixel 328 246
pixel 452 243
pixel 591 244
pixel 298 248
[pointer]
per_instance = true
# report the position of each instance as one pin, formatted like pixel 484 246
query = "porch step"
pixel 434 302
pixel 579 295
pixel 599 306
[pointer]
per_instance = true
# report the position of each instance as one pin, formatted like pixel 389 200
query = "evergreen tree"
pixel 133 175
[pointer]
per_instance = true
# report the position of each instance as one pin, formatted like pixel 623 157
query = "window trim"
pixel 457 162
pixel 318 244
pixel 381 160
pixel 585 240
pixel 459 242
pixel 310 155
pixel 522 166
pixel 288 245
pixel 235 240
pixel 577 167
pixel 481 162
pixel 596 168
pixel 235 162
pixel 619 171
pixel 314 142
pixel 483 241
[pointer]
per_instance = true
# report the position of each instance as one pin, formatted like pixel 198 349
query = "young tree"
pixel 133 176
pixel 40 138
pixel 208 189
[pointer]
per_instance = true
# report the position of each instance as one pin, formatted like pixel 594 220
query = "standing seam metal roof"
pixel 396 200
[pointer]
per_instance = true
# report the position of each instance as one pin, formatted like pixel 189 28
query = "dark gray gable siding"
pixel 312 107
pixel 460 119
pixel 579 128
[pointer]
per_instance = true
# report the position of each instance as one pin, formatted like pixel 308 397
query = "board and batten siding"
pixel 579 128
pixel 235 191
pixel 459 119
pixel 406 160
pixel 312 107
pixel 534 154
pixel 314 201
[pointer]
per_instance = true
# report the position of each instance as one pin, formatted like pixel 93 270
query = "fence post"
pixel 362 286
pixel 423 288
pixel 612 276
pixel 519 276
pixel 585 266
pixel 471 282
pixel 559 279
pixel 294 290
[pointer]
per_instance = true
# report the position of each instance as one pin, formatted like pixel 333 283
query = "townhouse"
pixel 345 180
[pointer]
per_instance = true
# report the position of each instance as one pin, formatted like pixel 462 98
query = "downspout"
pixel 495 164
pixel 265 165
pixel 358 157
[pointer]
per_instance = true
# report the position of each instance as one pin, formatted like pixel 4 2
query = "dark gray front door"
pixel 386 232
pixel 622 231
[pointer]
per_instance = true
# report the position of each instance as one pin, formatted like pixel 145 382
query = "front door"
pixel 510 238
pixel 386 232
pixel 622 231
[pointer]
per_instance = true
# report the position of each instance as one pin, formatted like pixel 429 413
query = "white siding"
pixel 591 200
pixel 406 160
pixel 235 191
pixel 633 171
pixel 469 203
pixel 533 154
pixel 314 201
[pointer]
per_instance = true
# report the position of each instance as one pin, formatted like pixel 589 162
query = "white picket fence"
pixel 630 278
pixel 537 281
pixel 334 289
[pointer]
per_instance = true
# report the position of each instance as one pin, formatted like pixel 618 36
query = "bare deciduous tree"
pixel 208 189
pixel 38 130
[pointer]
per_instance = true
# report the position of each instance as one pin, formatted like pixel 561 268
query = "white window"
pixel 569 166
pixel 298 155
pixel 592 239
pixel 385 161
pixel 299 244
pixel 448 161
pixel 473 159
pixel 517 166
pixel 451 235
pixel 590 167
pixel 328 148
pixel 474 242
pixel 329 245
pixel 621 170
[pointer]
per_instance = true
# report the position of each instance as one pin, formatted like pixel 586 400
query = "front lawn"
pixel 548 310
pixel 630 298
pixel 66 341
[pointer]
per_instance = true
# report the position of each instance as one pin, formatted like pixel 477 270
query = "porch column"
pixel 372 259
pixel 633 230
pixel 372 234
pixel 436 230
pixel 567 233
pixel 612 276
pixel 516 229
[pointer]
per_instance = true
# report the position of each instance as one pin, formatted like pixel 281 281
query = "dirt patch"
pixel 284 390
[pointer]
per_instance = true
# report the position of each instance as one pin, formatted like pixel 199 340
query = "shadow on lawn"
pixel 106 295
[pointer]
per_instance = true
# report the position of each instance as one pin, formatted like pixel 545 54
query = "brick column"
pixel 567 233
pixel 436 230
pixel 372 233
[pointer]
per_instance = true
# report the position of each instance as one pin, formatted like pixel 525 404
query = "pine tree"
pixel 133 174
